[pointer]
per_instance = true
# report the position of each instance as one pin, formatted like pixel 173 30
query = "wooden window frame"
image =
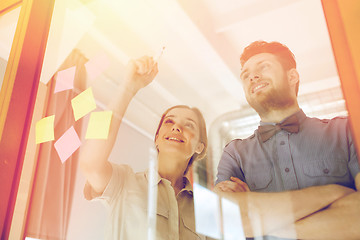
pixel 8 5
pixel 343 25
pixel 17 97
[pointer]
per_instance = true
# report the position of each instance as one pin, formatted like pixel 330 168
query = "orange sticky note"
pixel 65 79
pixel 83 103
pixel 44 129
pixel 99 125
pixel 67 144
pixel 96 66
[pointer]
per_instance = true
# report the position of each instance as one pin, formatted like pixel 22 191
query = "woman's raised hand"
pixel 140 72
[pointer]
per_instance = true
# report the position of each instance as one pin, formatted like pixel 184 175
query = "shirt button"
pixel 287 169
pixel 326 171
pixel 282 143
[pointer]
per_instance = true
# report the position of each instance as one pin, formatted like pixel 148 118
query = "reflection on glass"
pixel 152 194
pixel 231 220
pixel 120 30
pixel 207 212
pixel 8 23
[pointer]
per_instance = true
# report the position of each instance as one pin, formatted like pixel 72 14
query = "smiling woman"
pixel 180 139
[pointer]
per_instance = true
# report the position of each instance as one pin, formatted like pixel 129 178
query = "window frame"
pixel 17 96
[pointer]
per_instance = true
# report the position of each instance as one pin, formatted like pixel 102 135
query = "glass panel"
pixel 85 90
pixel 8 23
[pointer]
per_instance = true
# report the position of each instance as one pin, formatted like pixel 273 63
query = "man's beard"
pixel 272 100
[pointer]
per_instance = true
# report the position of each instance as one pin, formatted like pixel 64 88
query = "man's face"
pixel 265 82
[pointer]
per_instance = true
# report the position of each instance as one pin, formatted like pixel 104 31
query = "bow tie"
pixel 290 124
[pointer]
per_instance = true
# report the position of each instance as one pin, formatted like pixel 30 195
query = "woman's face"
pixel 179 133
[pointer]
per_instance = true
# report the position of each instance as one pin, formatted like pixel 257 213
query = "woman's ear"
pixel 199 148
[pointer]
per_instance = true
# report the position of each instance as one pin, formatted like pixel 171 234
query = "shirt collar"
pixel 188 187
pixel 158 177
pixel 299 114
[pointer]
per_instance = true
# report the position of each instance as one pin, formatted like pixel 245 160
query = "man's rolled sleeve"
pixel 229 165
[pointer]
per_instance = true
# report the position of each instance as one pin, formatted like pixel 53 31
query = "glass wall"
pixel 8 22
pixel 93 132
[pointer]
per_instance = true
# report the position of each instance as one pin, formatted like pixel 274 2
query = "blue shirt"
pixel 321 153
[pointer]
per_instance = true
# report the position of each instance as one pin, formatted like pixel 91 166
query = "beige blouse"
pixel 126 196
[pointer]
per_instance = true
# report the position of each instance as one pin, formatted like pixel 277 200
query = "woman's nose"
pixel 176 128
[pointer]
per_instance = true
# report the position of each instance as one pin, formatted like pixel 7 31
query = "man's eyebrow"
pixel 246 70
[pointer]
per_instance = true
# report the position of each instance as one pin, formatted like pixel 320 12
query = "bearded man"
pixel 290 151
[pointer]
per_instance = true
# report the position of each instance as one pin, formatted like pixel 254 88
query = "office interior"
pixel 197 45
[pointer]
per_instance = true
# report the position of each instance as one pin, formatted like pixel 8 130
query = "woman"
pixel 180 139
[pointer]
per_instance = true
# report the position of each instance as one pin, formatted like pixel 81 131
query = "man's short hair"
pixel 282 52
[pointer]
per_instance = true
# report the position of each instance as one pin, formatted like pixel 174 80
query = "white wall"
pixel 88 219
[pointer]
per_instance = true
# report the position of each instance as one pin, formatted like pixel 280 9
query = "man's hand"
pixel 140 72
pixel 234 185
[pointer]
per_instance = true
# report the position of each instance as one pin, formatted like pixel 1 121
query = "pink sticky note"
pixel 67 144
pixel 65 79
pixel 97 65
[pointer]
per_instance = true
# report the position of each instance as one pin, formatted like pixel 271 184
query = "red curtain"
pixel 54 181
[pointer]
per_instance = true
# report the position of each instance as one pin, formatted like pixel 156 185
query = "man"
pixel 290 151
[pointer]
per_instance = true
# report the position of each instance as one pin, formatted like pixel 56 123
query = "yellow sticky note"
pixel 83 103
pixel 99 125
pixel 44 129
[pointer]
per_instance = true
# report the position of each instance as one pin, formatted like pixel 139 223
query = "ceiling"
pixel 203 40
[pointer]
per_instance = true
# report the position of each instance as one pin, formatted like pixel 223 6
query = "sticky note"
pixel 83 103
pixel 207 212
pixel 99 125
pixel 65 79
pixel 67 144
pixel 96 66
pixel 233 229
pixel 44 129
